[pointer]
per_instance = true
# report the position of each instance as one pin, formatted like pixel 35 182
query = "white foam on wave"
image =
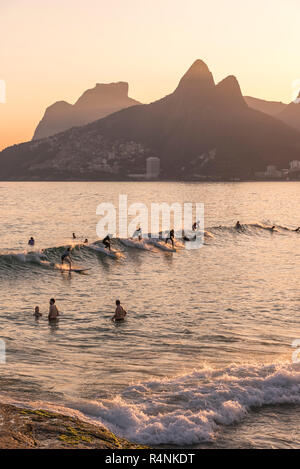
pixel 191 408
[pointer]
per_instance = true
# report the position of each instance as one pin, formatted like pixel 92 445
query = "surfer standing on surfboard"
pixel 66 257
pixel 138 234
pixel 106 242
pixel 171 237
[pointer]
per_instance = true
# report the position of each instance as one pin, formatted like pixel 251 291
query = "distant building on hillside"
pixel 152 167
pixel 295 165
pixel 273 172
pixel 285 172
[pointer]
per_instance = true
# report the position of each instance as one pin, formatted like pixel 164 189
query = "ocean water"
pixel 204 358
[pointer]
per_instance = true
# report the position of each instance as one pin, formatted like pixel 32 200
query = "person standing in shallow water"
pixel 120 313
pixel 53 311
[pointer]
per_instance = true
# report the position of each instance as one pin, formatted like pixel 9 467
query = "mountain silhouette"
pixel 287 113
pixel 94 104
pixel 273 108
pixel 200 130
pixel 291 114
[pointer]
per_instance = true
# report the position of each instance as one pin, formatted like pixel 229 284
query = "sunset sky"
pixel 53 50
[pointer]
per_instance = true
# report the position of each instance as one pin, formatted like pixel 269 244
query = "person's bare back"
pixel 53 311
pixel 120 312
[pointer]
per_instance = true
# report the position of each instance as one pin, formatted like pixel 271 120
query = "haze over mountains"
pixel 291 114
pixel 94 104
pixel 200 130
pixel 288 113
pixel 273 108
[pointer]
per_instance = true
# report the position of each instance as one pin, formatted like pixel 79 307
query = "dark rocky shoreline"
pixel 22 428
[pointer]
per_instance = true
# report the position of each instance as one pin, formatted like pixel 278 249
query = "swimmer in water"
pixel 106 242
pixel 238 226
pixel 86 241
pixel 120 313
pixel 31 241
pixel 171 237
pixel 37 313
pixel 53 311
pixel 74 235
pixel 66 257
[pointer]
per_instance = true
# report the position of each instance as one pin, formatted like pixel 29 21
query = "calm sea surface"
pixel 204 358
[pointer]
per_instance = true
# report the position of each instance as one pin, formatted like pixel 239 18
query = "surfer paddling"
pixel 120 313
pixel 66 257
pixel 53 311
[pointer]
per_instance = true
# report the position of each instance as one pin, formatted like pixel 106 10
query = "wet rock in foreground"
pixel 26 428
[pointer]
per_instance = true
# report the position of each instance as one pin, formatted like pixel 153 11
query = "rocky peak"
pixel 229 92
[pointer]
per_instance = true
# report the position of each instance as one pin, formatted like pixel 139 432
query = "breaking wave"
pixel 191 408
pixel 50 255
